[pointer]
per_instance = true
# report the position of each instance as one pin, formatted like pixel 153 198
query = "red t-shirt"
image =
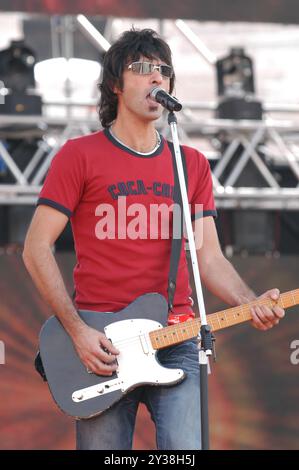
pixel 93 177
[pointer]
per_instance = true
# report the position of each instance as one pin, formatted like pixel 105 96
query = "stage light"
pixel 17 74
pixel 236 88
pixel 235 75
pixel 16 66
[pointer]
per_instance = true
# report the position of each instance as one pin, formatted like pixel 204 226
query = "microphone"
pixel 167 101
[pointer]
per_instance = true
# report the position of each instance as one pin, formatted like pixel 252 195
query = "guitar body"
pixel 84 395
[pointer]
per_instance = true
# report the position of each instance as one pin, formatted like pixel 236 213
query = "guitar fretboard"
pixel 180 332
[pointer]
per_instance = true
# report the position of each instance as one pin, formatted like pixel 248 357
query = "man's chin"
pixel 154 113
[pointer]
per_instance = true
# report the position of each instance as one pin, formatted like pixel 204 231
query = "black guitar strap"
pixel 176 243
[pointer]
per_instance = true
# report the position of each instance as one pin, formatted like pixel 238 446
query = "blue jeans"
pixel 175 410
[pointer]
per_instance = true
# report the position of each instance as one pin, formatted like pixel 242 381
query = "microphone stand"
pixel 205 338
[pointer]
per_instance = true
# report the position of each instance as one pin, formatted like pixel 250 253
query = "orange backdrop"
pixel 254 388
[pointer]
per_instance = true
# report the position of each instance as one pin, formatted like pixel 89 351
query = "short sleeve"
pixel 64 183
pixel 200 185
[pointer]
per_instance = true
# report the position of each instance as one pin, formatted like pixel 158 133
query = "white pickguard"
pixel 137 364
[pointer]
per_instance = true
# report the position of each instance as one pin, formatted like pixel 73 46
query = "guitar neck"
pixel 180 332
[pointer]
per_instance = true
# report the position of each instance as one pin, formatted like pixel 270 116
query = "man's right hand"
pixel 95 351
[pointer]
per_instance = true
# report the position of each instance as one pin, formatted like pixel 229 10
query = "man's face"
pixel 134 97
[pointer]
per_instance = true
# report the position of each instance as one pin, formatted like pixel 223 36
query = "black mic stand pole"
pixel 205 339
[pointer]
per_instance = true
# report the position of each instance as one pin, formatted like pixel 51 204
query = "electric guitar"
pixel 138 331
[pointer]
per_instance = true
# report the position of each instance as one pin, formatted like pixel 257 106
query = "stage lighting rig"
pixel 17 73
pixel 235 86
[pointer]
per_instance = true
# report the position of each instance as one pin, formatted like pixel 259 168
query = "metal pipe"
pixel 95 37
pixel 199 45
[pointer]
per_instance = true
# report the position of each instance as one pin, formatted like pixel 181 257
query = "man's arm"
pixel 220 277
pixel 46 226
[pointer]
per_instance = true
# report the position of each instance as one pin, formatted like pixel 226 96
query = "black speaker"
pixel 21 104
pixel 239 108
pixel 4 226
pixel 253 231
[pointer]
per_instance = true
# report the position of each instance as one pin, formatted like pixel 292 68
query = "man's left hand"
pixel 263 317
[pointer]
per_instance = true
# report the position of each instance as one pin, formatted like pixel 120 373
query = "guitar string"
pixel 131 340
pixel 136 338
pixel 231 312
pixel 159 334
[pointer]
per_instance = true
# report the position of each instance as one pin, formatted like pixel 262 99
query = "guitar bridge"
pixel 96 390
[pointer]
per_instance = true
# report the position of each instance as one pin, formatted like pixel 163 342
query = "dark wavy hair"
pixel 129 47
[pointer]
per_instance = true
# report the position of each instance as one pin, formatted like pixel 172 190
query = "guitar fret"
pixel 185 330
pixel 242 311
pixel 175 333
pixel 232 317
pixel 238 313
pixel 178 333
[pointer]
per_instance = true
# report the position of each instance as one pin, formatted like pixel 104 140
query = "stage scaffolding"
pixel 230 145
pixel 279 139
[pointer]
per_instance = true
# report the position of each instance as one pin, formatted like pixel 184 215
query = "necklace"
pixel 158 142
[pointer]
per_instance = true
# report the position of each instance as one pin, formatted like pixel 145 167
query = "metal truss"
pixel 279 143
pixel 279 140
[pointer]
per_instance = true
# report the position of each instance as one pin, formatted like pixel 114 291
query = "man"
pixel 130 161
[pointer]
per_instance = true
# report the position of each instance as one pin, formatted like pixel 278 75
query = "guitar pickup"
pixel 144 344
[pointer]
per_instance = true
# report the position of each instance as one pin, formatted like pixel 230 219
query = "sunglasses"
pixel 147 68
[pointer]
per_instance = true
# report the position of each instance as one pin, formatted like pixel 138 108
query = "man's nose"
pixel 156 77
